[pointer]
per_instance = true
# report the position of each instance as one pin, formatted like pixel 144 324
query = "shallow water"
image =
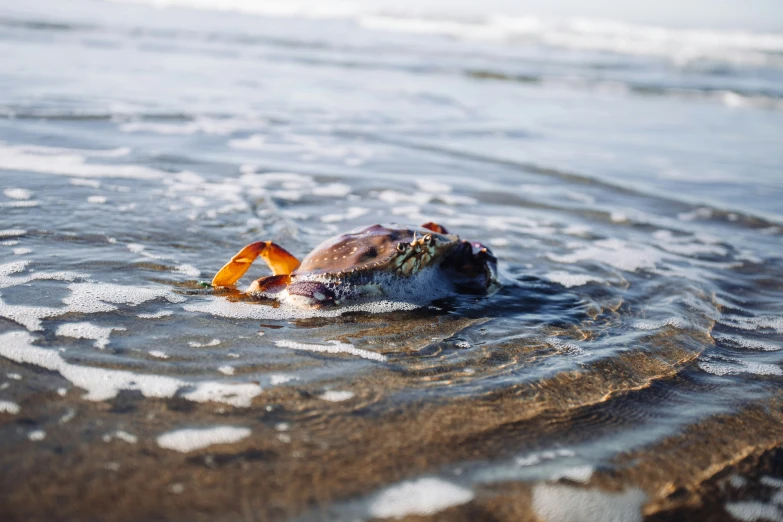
pixel 630 365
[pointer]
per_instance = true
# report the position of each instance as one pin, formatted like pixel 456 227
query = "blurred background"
pixel 623 161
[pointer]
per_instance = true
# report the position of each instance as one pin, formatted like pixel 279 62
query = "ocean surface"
pixel 628 178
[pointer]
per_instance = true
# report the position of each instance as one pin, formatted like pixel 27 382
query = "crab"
pixel 396 263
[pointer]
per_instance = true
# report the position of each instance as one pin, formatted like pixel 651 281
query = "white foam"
pixel 102 297
pixel 197 344
pixel 280 378
pixel 220 307
pixel 335 190
pixel 9 407
pixel 155 315
pixel 499 242
pixel 235 394
pixel 750 344
pixel 753 323
pixel 103 384
pixel 97 199
pixel 201 125
pixel 570 280
pixel 88 331
pixel 616 253
pixel 18 193
pixel 559 503
pixel 36 435
pixel 676 322
pixel 28 316
pixel 536 458
pixel 70 162
pixel 20 204
pixel 121 435
pixel 433 186
pixel 226 370
pixel 332 347
pixel 423 496
pixel 752 510
pixel 336 395
pixel 187 440
pixel 22 251
pixel 12 232
pixel 79 182
pixel 188 270
pixel 159 354
pixel 739 367
pixel 566 347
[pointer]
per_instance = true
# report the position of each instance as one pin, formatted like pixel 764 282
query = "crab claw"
pixel 279 260
pixel 474 267
pixel 435 227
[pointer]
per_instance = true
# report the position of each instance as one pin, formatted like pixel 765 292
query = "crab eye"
pixel 402 247
pixel 428 238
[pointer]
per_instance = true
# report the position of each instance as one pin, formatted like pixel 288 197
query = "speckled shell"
pixel 369 248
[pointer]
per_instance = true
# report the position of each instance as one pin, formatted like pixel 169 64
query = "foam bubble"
pixel 423 496
pixel 101 297
pixel 565 347
pixel 70 162
pixel 12 232
pixel 235 394
pixel 676 322
pixel 203 125
pixel 739 367
pixel 155 315
pixel 535 458
pixel 9 407
pixel 28 316
pixel 244 310
pixel 96 199
pixel 22 251
pixel 159 354
pixel 433 186
pixel 188 270
pixel 88 331
pixel 17 193
pixel 554 502
pixel 280 378
pixel 335 190
pixel 332 347
pixel 750 344
pixel 121 435
pixel 36 435
pixel 753 510
pixel 615 253
pixel 103 384
pixel 20 204
pixel 226 370
pixel 336 395
pixel 187 440
pixel 570 280
pixel 197 344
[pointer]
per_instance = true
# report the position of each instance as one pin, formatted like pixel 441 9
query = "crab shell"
pixel 391 262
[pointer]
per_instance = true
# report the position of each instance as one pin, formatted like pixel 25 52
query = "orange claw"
pixel 280 261
pixel 434 227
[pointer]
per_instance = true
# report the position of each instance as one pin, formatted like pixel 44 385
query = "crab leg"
pixel 279 260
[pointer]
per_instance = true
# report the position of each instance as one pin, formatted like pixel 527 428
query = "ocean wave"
pixel 680 45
